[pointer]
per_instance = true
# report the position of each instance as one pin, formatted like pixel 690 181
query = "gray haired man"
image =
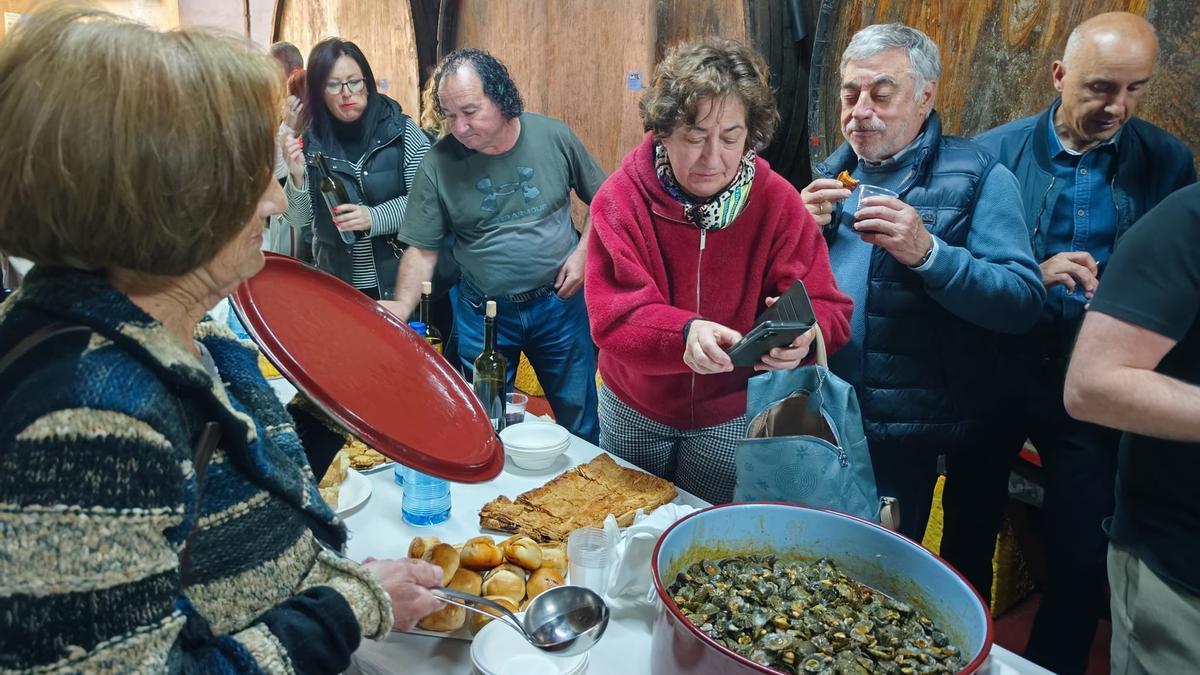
pixel 936 271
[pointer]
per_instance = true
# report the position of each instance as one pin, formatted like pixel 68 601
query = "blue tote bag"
pixel 805 442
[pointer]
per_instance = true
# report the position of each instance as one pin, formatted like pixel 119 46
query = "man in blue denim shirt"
pixel 1088 169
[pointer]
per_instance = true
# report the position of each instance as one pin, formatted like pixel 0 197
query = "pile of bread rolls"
pixel 509 573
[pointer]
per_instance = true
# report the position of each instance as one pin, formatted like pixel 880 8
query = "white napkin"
pixel 630 584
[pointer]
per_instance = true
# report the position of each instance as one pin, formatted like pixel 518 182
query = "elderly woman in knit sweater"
pixel 157 511
pixel 692 237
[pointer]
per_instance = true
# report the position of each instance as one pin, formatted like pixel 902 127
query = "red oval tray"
pixel 364 367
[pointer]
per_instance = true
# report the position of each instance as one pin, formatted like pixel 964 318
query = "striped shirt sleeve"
pixel 387 216
pixel 300 209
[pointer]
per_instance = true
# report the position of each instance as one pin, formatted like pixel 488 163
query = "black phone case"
pixel 790 316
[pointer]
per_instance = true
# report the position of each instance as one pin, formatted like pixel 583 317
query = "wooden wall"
pixel 996 57
pixel 384 31
pixel 158 13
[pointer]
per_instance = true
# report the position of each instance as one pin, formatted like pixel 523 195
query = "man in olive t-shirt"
pixel 1136 367
pixel 501 183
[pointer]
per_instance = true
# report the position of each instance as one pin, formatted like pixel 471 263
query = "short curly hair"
pixel 498 85
pixel 163 163
pixel 710 69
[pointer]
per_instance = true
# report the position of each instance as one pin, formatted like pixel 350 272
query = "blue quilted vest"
pixel 926 372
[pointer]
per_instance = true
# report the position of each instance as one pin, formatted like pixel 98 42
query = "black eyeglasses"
pixel 354 86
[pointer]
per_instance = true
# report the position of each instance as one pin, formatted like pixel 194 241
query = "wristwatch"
pixel 925 258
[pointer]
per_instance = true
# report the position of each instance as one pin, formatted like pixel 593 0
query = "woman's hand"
pixel 704 350
pixel 291 111
pixel 407 582
pixel 353 217
pixel 789 357
pixel 293 156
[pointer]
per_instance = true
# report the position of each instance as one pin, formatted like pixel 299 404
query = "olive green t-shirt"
pixel 510 213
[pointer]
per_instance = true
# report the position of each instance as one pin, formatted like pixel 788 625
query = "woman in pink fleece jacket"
pixel 691 238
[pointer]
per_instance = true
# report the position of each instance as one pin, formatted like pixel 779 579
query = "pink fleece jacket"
pixel 648 273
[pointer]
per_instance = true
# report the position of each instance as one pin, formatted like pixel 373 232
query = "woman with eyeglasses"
pixel 373 148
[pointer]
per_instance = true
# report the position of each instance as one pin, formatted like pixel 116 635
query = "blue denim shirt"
pixel 1083 218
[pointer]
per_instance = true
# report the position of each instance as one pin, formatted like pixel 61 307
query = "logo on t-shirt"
pixel 491 193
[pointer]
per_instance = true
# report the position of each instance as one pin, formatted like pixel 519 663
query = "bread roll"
pixel 506 583
pixel 481 553
pixel 452 617
pixel 466 581
pixel 477 621
pixel 555 556
pixel 519 571
pixel 542 579
pixel 421 546
pixel 524 552
pixel 445 557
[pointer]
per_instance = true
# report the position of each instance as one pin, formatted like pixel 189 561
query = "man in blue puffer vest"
pixel 936 272
pixel 1088 169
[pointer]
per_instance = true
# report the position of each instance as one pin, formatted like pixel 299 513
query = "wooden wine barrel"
pixel 996 57
pixel 383 30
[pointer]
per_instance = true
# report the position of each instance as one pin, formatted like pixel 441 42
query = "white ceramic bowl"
pixel 535 445
pixel 498 650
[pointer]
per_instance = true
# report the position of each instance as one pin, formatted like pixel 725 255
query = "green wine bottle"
pixel 490 373
pixel 432 335
pixel 335 195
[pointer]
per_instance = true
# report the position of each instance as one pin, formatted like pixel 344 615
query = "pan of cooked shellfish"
pixel 783 588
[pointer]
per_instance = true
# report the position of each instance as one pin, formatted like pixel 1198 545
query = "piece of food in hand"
pixel 506 583
pixel 554 556
pixel 452 617
pixel 524 552
pixel 477 621
pixel 421 546
pixel 542 579
pixel 445 557
pixel 847 181
pixel 481 553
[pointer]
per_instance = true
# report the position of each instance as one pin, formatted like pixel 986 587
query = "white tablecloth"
pixel 376 529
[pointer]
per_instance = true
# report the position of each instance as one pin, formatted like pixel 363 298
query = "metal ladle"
pixel 563 621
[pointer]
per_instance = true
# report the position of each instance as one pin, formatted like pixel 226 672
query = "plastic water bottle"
pixel 399 473
pixel 426 499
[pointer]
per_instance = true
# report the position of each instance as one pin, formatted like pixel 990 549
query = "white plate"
pixel 498 650
pixel 354 492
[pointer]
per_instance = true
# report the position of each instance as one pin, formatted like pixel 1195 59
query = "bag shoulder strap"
pixel 37 337
pixel 202 450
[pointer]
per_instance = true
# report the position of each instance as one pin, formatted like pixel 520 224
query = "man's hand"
pixel 353 217
pixel 570 275
pixel 895 227
pixel 820 196
pixel 1072 268
pixel 407 581
pixel 704 351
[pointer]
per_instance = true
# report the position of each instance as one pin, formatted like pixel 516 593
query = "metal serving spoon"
pixel 563 621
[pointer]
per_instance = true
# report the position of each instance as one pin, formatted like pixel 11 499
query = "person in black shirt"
pixel 1136 367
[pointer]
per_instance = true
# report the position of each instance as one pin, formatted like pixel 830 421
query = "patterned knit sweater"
pixel 98 495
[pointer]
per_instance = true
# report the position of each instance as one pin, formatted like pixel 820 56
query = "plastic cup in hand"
pixel 426 499
pixel 588 558
pixel 514 408
pixel 873 191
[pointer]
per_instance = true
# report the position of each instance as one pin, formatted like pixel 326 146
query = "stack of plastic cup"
pixel 588 558
pixel 426 499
